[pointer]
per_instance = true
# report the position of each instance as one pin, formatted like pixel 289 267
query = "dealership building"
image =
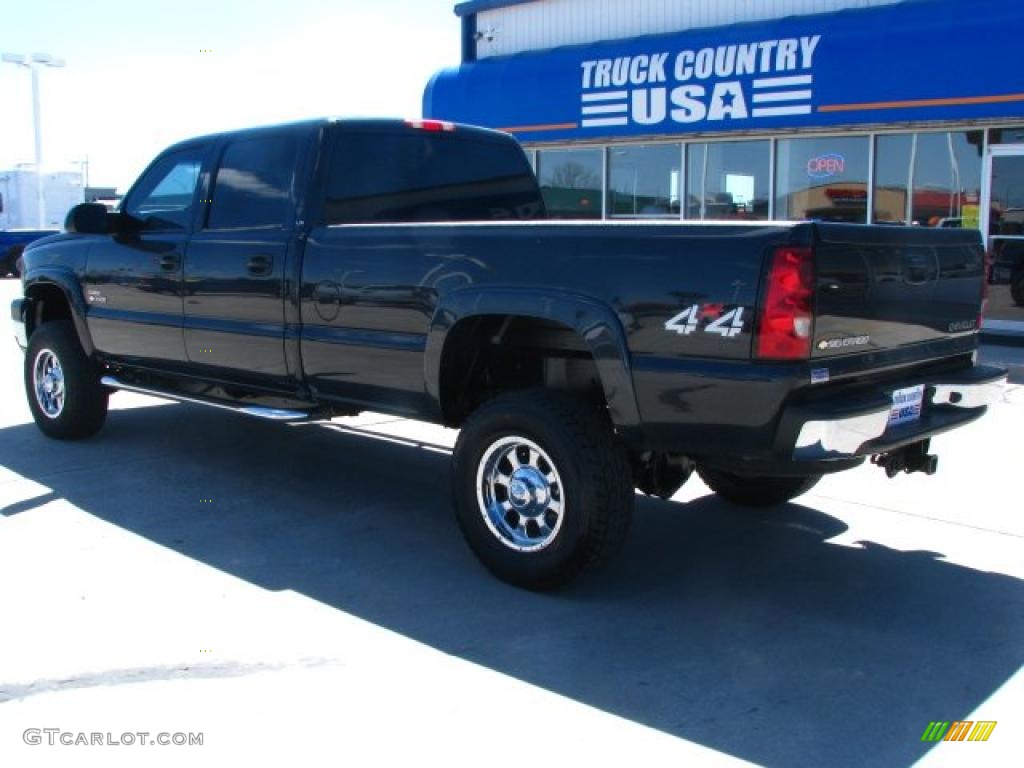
pixel 876 111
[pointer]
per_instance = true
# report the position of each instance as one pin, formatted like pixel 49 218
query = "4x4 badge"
pixel 726 323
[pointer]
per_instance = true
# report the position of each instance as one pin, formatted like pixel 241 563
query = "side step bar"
pixel 274 414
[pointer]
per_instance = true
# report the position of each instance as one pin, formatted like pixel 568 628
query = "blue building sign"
pixel 912 62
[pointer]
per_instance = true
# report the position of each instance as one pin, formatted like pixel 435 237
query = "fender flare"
pixel 67 282
pixel 596 323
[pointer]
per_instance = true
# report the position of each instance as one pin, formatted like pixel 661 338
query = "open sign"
pixel 826 166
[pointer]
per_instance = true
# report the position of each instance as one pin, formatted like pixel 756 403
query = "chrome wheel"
pixel 48 381
pixel 520 494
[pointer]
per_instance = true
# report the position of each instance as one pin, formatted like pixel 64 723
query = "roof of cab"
pixel 366 123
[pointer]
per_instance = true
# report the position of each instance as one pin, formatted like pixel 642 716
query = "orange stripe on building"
pixel 952 102
pixel 540 128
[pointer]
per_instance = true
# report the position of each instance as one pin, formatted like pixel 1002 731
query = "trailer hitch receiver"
pixel 910 458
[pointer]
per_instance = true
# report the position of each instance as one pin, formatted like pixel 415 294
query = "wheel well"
pixel 489 354
pixel 49 304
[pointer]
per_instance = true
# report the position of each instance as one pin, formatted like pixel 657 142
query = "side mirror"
pixel 88 219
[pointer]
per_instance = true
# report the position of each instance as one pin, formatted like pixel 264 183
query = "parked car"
pixel 12 243
pixel 322 268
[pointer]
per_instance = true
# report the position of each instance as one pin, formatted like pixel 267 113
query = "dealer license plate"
pixel 906 405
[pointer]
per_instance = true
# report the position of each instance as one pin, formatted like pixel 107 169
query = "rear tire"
pixel 542 487
pixel 756 491
pixel 62 384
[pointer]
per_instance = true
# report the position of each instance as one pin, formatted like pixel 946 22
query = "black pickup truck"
pixel 317 269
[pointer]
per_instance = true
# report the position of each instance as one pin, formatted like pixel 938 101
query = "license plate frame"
pixel 907 404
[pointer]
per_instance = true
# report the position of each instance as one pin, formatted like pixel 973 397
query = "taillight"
pixel 431 125
pixel 787 316
pixel 984 288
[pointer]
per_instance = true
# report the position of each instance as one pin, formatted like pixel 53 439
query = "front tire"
pixel 542 487
pixel 756 491
pixel 62 384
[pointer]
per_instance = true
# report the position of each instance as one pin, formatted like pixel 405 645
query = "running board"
pixel 274 414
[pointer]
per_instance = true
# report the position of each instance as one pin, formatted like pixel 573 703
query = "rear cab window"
pixel 398 176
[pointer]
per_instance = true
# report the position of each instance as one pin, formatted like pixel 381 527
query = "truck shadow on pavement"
pixel 750 635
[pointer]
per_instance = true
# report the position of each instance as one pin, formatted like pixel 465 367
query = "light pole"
pixel 33 63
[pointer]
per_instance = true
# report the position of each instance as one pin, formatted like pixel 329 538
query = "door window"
pixel 1007 135
pixel 164 196
pixel 254 183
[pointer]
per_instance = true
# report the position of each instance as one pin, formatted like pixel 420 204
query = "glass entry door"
pixel 1005 208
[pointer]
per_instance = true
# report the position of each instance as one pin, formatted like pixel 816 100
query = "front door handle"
pixel 170 262
pixel 260 265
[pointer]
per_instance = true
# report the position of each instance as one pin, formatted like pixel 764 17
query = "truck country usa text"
pixel 707 85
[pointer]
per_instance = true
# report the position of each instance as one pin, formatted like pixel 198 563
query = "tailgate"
pixel 885 287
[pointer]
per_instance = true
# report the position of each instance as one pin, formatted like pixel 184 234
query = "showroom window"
pixel 728 180
pixel 643 181
pixel 942 172
pixel 822 178
pixel 571 182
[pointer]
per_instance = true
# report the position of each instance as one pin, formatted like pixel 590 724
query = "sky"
pixel 141 75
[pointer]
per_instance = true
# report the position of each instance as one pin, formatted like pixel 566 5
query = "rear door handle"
pixel 260 265
pixel 170 262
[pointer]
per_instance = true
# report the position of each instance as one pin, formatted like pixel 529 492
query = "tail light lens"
pixel 787 316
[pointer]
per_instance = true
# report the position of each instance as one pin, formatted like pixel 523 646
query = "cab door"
pixel 133 282
pixel 237 262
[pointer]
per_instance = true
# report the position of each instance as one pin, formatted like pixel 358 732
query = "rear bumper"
pixel 18 307
pixel 830 431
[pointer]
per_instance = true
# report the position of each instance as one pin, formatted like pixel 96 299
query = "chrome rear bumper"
pixel 862 428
